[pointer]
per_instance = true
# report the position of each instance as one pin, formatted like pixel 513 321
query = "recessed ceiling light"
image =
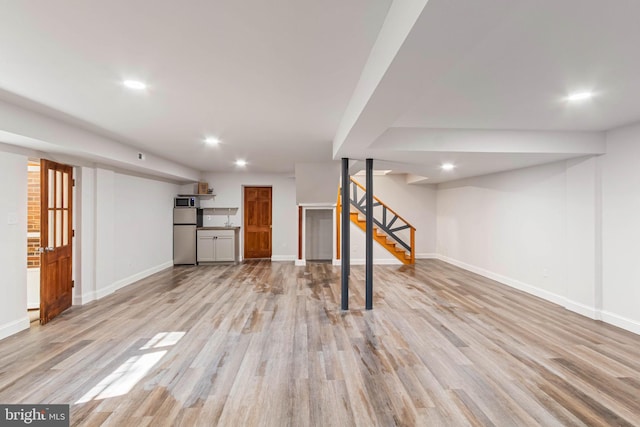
pixel 212 140
pixel 134 84
pixel 241 162
pixel 447 166
pixel 579 96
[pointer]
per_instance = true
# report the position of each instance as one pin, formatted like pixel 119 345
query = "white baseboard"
pixel 283 258
pixel 14 327
pixel 301 263
pixel 584 310
pixel 427 256
pixel 621 322
pixel 131 279
pixel 85 298
pixel 541 293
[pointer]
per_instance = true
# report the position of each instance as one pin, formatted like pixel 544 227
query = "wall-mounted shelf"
pixel 220 211
pixel 196 195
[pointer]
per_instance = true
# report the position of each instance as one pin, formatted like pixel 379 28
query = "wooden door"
pixel 55 238
pixel 257 222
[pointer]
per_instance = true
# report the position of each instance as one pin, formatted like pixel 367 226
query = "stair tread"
pixel 381 237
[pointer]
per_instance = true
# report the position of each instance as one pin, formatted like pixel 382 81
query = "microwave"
pixel 186 202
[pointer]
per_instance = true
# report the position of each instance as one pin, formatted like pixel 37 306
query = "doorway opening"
pixel 33 240
pixel 319 235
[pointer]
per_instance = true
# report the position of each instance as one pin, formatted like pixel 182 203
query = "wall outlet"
pixel 12 218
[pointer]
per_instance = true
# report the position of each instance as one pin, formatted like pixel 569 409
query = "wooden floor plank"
pixel 266 344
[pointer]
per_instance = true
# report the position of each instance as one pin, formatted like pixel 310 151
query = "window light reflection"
pixel 163 339
pixel 126 376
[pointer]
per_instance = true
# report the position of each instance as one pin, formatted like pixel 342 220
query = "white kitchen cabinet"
pixel 224 244
pixel 217 245
pixel 206 246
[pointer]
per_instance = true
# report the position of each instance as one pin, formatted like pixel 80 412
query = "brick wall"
pixel 33 256
pixel 33 215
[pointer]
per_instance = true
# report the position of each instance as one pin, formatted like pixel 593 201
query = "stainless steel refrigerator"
pixel 185 223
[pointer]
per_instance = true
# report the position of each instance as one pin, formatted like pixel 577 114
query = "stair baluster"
pixel 386 231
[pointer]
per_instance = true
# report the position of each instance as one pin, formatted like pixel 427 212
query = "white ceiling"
pixel 269 78
pixel 514 72
pixel 279 81
pixel 492 66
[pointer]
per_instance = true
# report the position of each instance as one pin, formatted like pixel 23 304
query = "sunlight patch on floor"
pixel 127 375
pixel 163 339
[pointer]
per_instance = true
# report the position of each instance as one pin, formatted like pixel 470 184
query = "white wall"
pixel 566 231
pixel 510 224
pixel 583 235
pixel 536 229
pixel 105 230
pixel 358 245
pixel 144 225
pixel 228 188
pixel 317 182
pixel 125 230
pixel 621 228
pixel 85 241
pixel 13 243
pixel 415 203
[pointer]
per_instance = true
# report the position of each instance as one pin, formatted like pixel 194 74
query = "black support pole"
pixel 369 236
pixel 344 236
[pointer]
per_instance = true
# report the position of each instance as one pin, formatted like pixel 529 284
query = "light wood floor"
pixel 266 344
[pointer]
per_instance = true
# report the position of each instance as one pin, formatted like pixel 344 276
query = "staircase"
pixel 390 230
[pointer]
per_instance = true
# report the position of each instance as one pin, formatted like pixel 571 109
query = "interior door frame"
pixel 244 231
pixel 302 231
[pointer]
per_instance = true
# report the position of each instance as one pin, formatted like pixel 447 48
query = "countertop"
pixel 219 228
